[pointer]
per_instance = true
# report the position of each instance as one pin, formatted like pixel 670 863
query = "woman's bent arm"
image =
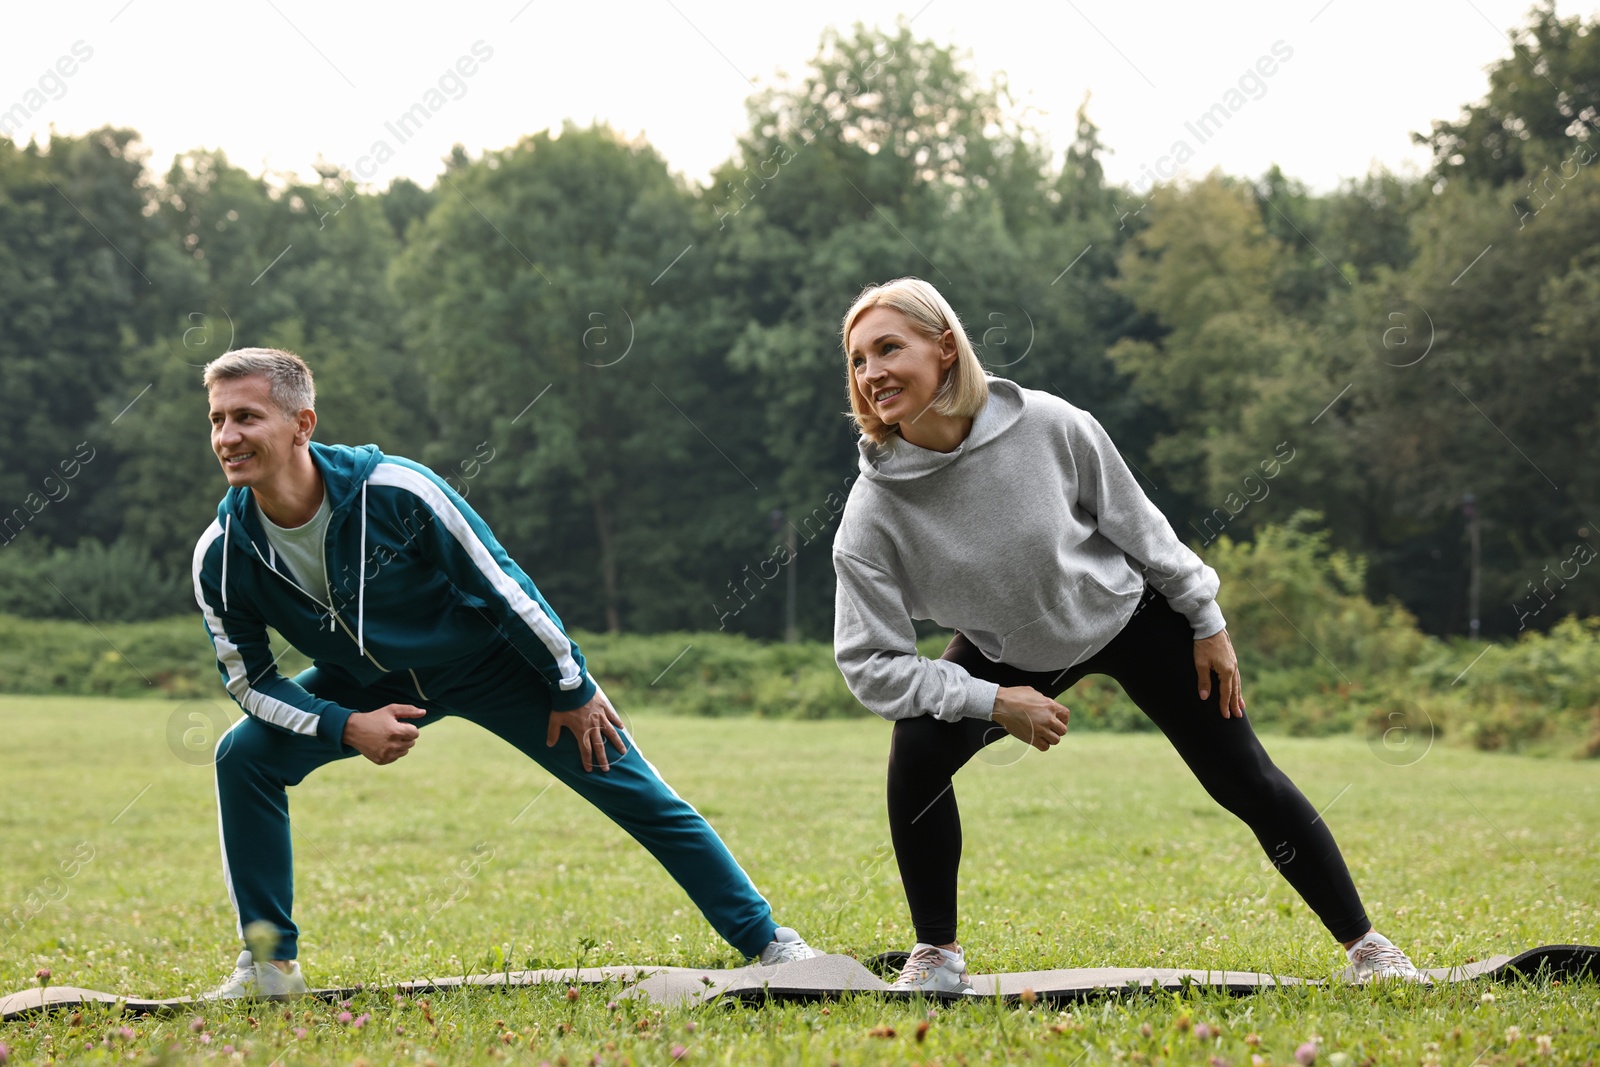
pixel 876 649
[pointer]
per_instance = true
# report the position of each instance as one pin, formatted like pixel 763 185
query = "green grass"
pixel 1102 852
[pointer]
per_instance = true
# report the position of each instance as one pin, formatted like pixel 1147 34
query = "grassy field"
pixel 1103 852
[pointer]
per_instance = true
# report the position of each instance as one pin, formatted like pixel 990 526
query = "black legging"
pixel 1153 660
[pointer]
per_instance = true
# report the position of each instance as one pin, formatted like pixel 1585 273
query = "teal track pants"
pixel 257 763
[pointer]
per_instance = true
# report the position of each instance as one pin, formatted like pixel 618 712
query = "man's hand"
pixel 380 735
pixel 1215 653
pixel 593 725
pixel 1030 715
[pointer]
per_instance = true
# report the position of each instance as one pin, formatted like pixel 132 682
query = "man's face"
pixel 249 433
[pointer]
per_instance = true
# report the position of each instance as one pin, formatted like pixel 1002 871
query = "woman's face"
pixel 897 369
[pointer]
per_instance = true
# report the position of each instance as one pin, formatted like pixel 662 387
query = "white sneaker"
pixel 786 946
pixel 252 979
pixel 932 969
pixel 1375 958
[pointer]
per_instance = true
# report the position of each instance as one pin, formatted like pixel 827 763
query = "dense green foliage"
pixel 637 379
pixel 1103 852
pixel 1317 658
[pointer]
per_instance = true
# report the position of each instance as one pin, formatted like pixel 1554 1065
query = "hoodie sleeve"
pixel 245 660
pixel 1107 490
pixel 461 545
pixel 876 649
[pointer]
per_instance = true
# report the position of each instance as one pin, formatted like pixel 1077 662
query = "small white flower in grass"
pixel 1545 1045
pixel 1487 998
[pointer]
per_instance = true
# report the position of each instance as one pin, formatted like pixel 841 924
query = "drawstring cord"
pixel 227 528
pixel 361 587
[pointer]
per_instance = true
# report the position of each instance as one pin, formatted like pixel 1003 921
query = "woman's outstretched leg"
pixel 1153 660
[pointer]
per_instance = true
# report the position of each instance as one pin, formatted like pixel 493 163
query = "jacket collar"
pixel 344 468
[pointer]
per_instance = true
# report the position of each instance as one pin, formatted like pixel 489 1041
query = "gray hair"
pixel 286 374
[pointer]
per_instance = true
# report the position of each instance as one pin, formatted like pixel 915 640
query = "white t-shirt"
pixel 301 548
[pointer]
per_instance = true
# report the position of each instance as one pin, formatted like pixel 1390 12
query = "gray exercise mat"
pixel 29 1001
pixel 832 976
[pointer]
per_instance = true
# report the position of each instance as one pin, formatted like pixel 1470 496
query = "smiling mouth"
pixel 238 460
pixel 887 395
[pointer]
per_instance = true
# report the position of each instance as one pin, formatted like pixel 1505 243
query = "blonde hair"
pixel 287 375
pixel 964 390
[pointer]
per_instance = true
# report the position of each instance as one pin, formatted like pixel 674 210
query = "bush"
pixel 1317 658
pixel 1290 603
pixel 719 674
pixel 122 583
pixel 170 658
pixel 1539 694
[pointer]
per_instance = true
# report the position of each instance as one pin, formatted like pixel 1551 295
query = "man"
pixel 410 610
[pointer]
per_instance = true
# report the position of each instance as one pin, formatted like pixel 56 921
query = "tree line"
pixel 638 381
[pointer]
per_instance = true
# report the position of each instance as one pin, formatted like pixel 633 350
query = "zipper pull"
pixel 330 622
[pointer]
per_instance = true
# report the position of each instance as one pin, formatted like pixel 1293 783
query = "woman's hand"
pixel 1028 714
pixel 1215 653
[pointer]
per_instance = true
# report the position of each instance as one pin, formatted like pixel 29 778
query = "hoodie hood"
pixel 898 460
pixel 345 469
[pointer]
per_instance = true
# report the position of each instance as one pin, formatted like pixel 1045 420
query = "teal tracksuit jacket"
pixel 435 587
pixel 422 606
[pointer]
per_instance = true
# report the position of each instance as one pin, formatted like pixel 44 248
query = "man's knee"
pixel 245 742
pixel 251 746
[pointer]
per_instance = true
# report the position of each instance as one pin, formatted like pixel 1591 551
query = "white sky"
pixel 279 83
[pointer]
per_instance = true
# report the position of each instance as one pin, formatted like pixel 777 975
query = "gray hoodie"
pixel 1031 538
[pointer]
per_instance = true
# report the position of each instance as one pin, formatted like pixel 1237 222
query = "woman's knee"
pixel 917 742
pixel 1243 778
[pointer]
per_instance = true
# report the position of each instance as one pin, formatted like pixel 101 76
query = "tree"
pixel 74 267
pixel 1204 269
pixel 889 158
pixel 1543 99
pixel 555 299
pixel 249 264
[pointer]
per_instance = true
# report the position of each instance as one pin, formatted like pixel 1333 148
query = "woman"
pixel 1008 515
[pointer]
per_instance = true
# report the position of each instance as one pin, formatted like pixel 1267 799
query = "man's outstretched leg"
pixel 632 794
